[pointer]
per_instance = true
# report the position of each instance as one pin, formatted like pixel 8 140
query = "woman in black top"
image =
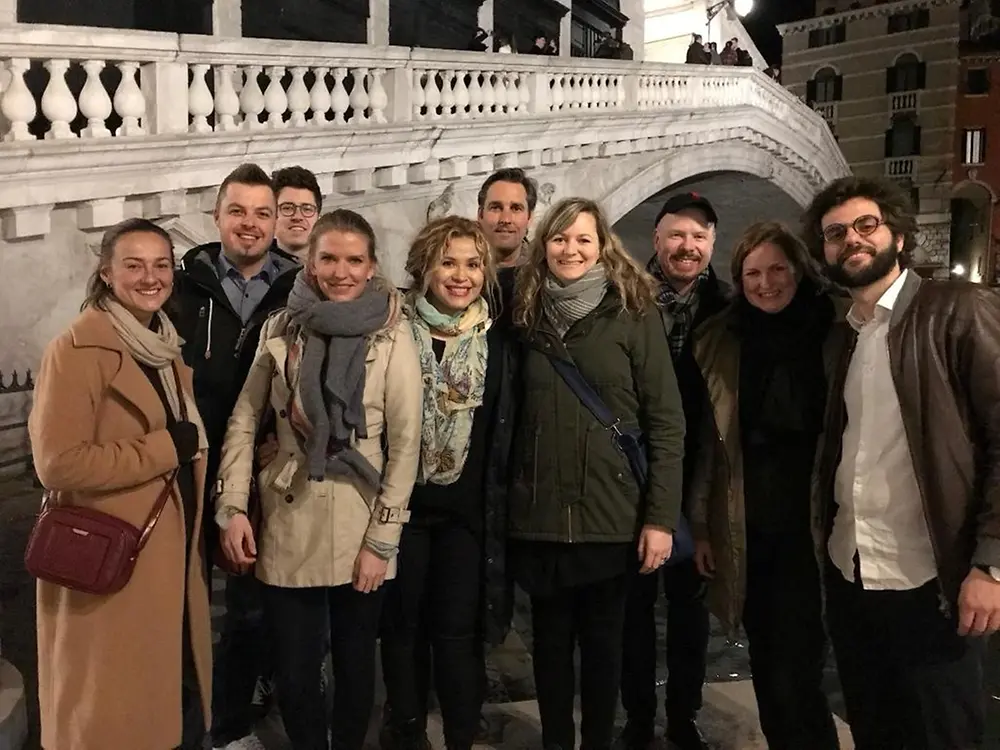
pixel 451 583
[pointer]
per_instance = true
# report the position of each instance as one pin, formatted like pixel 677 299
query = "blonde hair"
pixel 636 288
pixel 348 222
pixel 432 242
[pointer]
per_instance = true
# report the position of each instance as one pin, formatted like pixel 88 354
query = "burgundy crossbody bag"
pixel 86 550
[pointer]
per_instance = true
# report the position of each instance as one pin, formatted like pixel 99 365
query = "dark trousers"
pixel 783 620
pixel 241 657
pixel 299 622
pixel 910 681
pixel 435 599
pixel 687 645
pixel 192 713
pixel 592 616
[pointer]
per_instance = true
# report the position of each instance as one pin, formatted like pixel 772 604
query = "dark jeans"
pixel 299 621
pixel 784 625
pixel 910 681
pixel 592 616
pixel 241 657
pixel 687 645
pixel 436 597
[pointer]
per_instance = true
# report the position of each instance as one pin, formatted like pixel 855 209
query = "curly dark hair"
pixel 893 202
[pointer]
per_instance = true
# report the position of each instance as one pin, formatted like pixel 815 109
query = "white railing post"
pixel 378 23
pixel 398 84
pixel 165 88
pixel 227 18
pixel 630 81
pixel 8 12
pixel 540 92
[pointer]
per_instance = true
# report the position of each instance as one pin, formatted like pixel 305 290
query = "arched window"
pixel 825 86
pixel 907 74
pixel 903 138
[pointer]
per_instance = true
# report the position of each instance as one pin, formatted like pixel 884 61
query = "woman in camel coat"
pixel 129 670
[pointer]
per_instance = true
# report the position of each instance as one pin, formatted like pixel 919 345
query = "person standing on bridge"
pixel 225 290
pixel 689 294
pixel 114 426
pixel 576 508
pixel 909 480
pixel 766 360
pixel 299 204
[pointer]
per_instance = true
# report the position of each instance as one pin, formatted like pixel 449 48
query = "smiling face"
pixel 342 265
pixel 456 280
pixel 574 251
pixel 859 249
pixel 245 217
pixel 297 213
pixel 769 281
pixel 684 243
pixel 141 273
pixel 504 218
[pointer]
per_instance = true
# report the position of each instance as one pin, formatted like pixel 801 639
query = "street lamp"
pixel 742 7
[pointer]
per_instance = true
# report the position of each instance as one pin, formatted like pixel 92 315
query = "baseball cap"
pixel 677 203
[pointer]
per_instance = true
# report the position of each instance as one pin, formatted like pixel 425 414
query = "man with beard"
pixel 908 479
pixel 225 290
pixel 684 238
pixel 507 201
pixel 299 204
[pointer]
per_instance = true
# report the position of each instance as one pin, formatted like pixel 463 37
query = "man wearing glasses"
pixel 908 479
pixel 299 205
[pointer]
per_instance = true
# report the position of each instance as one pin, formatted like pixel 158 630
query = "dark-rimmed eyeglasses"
pixel 863 225
pixel 308 210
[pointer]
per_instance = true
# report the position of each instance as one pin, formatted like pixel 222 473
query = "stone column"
pixel 227 18
pixel 566 30
pixel 634 33
pixel 378 22
pixel 8 11
pixel 486 18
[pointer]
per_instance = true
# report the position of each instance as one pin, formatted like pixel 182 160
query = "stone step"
pixel 13 714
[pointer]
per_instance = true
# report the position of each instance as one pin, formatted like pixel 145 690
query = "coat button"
pixel 289 498
pixel 282 414
pixel 489 560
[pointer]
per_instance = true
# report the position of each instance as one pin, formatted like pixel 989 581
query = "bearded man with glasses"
pixel 908 479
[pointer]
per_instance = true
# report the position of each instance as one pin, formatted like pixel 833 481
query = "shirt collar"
pixel 883 308
pixel 267 273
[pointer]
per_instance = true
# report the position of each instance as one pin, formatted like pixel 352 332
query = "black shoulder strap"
pixel 584 391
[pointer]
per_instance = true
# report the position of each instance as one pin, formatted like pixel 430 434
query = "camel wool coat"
pixel 109 667
pixel 311 532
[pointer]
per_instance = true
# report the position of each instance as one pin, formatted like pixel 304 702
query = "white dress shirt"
pixel 880 514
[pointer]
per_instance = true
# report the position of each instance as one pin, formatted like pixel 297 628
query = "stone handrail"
pixel 104 83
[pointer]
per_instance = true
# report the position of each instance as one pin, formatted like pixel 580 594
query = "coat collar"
pixel 904 299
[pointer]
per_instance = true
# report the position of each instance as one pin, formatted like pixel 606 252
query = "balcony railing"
pixel 828 111
pixel 899 167
pixel 60 83
pixel 904 102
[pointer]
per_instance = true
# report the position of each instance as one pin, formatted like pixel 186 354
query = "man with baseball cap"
pixel 683 238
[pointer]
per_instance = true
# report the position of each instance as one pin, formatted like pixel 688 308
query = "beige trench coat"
pixel 311 532
pixel 109 667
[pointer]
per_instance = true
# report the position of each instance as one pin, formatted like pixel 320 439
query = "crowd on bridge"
pixel 814 450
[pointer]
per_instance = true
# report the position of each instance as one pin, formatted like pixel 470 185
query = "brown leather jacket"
pixel 944 352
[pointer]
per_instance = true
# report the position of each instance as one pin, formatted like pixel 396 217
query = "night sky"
pixel 766 13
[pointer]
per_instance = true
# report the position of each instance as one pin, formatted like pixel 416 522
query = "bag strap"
pixel 161 501
pixel 570 373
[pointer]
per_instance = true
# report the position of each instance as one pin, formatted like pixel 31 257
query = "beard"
pixel 883 261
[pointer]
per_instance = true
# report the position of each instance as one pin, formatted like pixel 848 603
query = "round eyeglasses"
pixel 308 210
pixel 863 225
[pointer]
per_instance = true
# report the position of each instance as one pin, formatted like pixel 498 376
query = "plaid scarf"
pixel 682 308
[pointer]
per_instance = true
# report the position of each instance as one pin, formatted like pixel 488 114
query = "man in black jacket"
pixel 224 292
pixel 684 238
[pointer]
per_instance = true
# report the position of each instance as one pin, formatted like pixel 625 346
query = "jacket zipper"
pixel 238 349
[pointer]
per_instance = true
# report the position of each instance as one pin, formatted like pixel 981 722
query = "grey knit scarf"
pixel 332 375
pixel 565 304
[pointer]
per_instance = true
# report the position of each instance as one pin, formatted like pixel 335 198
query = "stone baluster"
pixel 359 95
pixel 130 102
pixel 320 100
pixel 95 104
pixel 275 98
pixel 475 94
pixel 447 94
pixel 227 101
pixel 17 103
pixel 298 98
pixel 489 93
pixel 623 88
pixel 432 95
pixel 500 92
pixel 378 99
pixel 601 91
pixel 58 104
pixel 339 99
pixel 513 95
pixel 558 95
pixel 524 90
pixel 462 98
pixel 200 104
pixel 252 99
pixel 417 93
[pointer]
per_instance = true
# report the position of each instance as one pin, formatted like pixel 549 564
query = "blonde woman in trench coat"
pixel 129 670
pixel 339 369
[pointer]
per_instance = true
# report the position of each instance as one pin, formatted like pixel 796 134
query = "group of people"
pixel 371 465
pixel 699 53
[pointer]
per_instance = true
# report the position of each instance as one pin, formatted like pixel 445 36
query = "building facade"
pixel 885 77
pixel 975 236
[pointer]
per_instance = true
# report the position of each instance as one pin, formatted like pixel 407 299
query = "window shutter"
pixel 838 88
pixel 814 38
pixel 916 141
pixel 888 143
pixel 810 91
pixel 921 74
pixel 890 80
pixel 923 18
pixel 841 32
